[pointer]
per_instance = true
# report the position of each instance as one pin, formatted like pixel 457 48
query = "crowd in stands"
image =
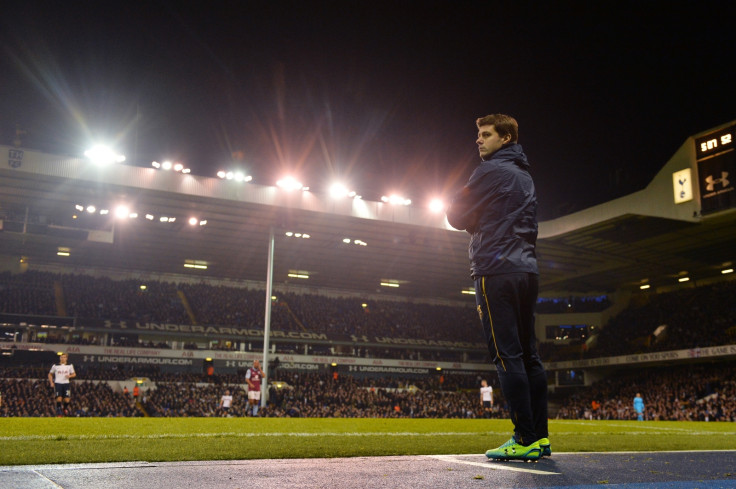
pixel 692 392
pixel 689 318
pixel 694 318
pixel 88 297
pixel 682 393
pixel 25 392
pixel 35 398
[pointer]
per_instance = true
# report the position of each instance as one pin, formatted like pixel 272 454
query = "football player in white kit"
pixel 59 376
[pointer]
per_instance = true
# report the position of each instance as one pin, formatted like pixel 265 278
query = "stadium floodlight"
pixel 338 191
pixel 122 211
pixel 196 264
pixel 104 212
pixel 683 279
pixel 290 183
pixel 178 167
pixel 156 164
pixel 644 286
pixel 395 200
pixel 239 176
pixel 103 155
pixel 726 271
pixel 80 208
pixel 166 165
pixel 203 222
pixel 193 221
pixel 297 275
pixel 149 217
pixel 346 240
pixel 436 205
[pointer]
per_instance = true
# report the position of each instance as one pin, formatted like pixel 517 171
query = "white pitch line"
pixel 492 466
pixel 46 478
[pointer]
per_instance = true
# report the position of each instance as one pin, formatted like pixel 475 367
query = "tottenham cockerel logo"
pixel 712 182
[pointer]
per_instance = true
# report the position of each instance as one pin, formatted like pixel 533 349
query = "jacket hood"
pixel 513 152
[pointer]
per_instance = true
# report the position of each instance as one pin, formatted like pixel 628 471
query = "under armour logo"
pixel 712 182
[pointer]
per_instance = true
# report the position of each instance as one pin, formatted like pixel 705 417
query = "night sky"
pixel 383 95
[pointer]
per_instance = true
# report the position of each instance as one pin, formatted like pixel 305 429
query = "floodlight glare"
pixel 156 164
pixel 436 205
pixel 193 221
pixel 102 155
pixel 178 167
pixel 166 165
pixel 221 174
pixel 338 191
pixel 290 183
pixel 79 207
pixel 104 212
pixel 122 211
pixel 91 209
pixel 395 200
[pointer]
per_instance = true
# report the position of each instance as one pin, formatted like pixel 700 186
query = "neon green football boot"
pixel 546 447
pixel 511 450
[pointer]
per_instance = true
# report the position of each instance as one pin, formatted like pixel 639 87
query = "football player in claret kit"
pixel 59 377
pixel 254 376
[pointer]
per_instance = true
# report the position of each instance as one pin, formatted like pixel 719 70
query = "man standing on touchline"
pixel 498 208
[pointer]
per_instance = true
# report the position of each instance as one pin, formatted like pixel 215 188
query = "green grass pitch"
pixel 32 441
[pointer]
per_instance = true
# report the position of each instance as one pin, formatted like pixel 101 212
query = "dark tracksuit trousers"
pixel 506 307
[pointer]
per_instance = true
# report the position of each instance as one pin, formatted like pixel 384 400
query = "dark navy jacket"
pixel 498 207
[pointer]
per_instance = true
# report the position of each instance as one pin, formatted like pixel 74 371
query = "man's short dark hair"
pixel 505 125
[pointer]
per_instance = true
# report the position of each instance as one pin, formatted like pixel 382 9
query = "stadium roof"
pixel 619 244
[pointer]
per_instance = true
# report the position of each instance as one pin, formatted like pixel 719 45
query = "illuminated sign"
pixel 682 185
pixel 715 143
